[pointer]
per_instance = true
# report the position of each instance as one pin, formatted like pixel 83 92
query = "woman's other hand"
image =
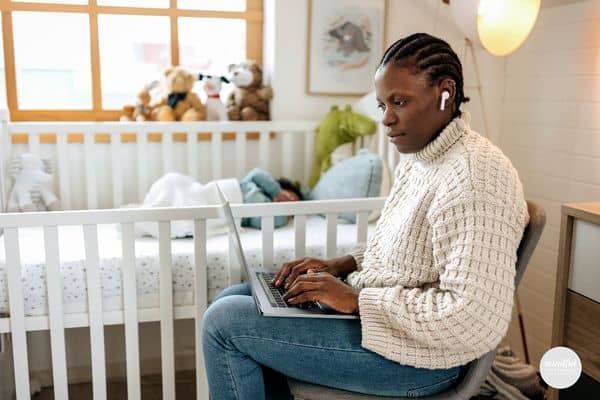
pixel 324 288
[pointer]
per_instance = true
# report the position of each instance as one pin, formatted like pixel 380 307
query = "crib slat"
pixel 57 330
pixel 167 151
pixel 217 154
pixel 5 152
pixel 142 164
pixel 117 177
pixel 381 142
pixel 201 291
pixel 267 241
pixel 331 235
pixel 34 143
pixel 63 169
pixel 287 143
pixel 309 148
pixel 192 154
pixel 362 222
pixel 166 310
pixel 90 171
pixel 17 313
pixel 390 156
pixel 90 235
pixel 240 150
pixel 264 150
pixel 130 311
pixel 300 236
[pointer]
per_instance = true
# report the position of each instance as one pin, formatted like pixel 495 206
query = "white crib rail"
pixel 188 159
pixel 17 324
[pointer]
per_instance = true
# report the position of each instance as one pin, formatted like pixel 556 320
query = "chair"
pixel 476 371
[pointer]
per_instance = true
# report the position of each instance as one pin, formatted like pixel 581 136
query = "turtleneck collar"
pixel 449 135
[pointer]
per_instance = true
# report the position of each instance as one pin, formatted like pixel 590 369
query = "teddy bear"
pixel 337 128
pixel 215 109
pixel 141 111
pixel 31 188
pixel 249 101
pixel 181 103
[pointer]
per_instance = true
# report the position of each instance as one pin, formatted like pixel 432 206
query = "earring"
pixel 445 96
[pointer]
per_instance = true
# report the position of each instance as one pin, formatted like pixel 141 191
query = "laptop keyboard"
pixel 275 294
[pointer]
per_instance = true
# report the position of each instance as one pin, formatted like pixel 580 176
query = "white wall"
pixel 551 132
pixel 286 27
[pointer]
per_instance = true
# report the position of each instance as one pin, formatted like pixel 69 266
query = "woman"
pixel 434 284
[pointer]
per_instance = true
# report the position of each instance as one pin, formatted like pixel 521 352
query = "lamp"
pixel 500 26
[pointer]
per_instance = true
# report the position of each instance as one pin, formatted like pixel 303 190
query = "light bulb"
pixel 503 25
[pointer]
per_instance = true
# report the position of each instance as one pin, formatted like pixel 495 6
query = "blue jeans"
pixel 238 343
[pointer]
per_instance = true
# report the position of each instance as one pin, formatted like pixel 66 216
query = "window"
pixel 86 59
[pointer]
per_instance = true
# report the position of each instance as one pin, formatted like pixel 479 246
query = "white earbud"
pixel 445 96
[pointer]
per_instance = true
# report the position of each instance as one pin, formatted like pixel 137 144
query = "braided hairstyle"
pixel 435 57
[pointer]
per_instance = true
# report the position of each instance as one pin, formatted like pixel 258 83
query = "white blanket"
pixel 178 190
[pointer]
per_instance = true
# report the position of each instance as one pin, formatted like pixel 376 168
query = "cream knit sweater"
pixel 436 278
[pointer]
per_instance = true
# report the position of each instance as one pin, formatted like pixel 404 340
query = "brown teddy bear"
pixel 181 104
pixel 249 101
pixel 141 111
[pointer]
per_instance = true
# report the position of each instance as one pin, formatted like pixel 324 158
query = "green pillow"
pixel 354 177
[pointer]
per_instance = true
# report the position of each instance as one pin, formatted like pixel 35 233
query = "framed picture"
pixel 345 44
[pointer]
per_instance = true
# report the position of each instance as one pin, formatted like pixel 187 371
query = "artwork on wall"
pixel 345 43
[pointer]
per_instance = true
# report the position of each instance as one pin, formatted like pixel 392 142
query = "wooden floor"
pixel 117 389
pixel 185 384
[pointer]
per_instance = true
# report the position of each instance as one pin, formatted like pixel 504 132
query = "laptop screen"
pixel 237 243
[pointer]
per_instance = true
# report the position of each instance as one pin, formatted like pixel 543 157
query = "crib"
pixel 102 166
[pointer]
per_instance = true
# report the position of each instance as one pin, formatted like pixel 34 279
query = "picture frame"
pixel 346 40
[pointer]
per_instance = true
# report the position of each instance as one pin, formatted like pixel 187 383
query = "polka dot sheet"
pixel 73 268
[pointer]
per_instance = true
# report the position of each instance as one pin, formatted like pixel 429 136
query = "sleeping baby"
pixel 178 190
pixel 261 187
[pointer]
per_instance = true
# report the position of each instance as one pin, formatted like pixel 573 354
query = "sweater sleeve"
pixel 358 254
pixel 474 250
pixel 264 181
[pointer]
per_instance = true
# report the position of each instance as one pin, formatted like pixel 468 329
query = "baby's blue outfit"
pixel 260 187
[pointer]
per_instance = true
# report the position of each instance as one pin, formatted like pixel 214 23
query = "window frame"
pixel 253 15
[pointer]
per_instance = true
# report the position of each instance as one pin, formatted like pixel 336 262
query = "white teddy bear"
pixel 32 182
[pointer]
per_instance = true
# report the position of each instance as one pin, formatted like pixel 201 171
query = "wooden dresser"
pixel 576 321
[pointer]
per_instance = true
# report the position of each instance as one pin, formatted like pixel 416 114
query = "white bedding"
pixel 72 268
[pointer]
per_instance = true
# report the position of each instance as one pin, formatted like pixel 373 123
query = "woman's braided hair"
pixel 435 57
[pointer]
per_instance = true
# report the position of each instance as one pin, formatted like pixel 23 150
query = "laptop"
pixel 268 298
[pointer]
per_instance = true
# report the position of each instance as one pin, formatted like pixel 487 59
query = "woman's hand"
pixel 324 288
pixel 290 271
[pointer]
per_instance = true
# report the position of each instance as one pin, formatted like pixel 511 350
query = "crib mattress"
pixel 72 265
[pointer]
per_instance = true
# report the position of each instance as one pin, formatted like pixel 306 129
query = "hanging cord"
pixel 479 89
pixel 436 18
pixel 469 45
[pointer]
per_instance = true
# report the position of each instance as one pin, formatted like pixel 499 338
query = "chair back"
pixel 530 239
pixel 473 376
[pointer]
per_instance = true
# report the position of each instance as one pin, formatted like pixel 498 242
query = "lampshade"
pixel 500 26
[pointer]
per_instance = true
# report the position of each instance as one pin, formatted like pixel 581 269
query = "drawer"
pixel 585 260
pixel 582 330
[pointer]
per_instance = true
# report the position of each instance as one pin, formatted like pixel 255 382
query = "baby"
pixel 260 187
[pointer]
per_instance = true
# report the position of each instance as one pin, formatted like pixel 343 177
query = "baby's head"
pixel 291 189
